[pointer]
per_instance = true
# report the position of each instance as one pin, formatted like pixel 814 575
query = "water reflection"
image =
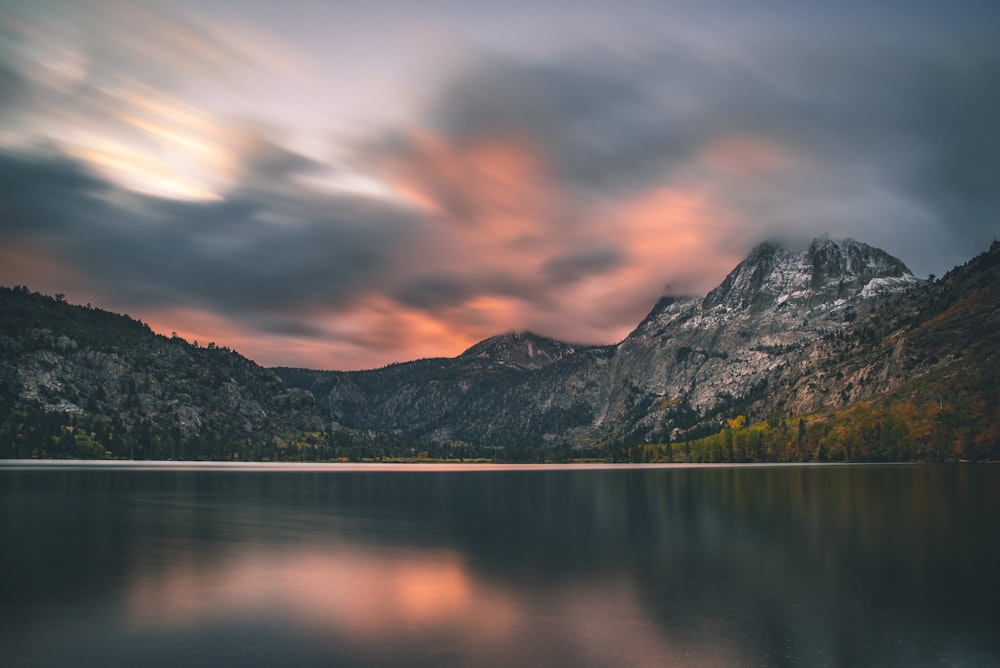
pixel 359 590
pixel 395 605
pixel 712 567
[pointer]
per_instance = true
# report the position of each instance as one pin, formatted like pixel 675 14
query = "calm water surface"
pixel 345 566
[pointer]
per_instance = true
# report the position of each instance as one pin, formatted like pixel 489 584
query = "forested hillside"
pixel 81 382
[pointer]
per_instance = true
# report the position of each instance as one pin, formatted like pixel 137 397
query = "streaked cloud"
pixel 299 186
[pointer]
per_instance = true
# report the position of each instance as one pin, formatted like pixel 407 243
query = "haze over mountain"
pixel 791 331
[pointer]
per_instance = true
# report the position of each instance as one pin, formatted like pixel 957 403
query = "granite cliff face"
pixel 771 313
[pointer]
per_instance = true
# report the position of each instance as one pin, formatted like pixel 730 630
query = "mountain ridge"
pixel 790 331
pixel 689 356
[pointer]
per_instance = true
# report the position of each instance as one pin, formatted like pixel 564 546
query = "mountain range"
pixel 826 335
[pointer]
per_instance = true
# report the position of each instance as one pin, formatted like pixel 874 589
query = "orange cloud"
pixel 499 180
pixel 194 324
pixel 676 234
pixel 500 217
pixel 493 198
pixel 499 247
pixel 669 235
pixel 380 324
pixel 368 335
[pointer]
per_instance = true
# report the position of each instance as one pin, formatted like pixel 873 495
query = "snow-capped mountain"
pixel 822 275
pixel 779 301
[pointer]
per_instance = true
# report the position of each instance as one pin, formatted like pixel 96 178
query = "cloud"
pixel 571 266
pixel 947 103
pixel 432 291
pixel 847 134
pixel 897 144
pixel 244 255
pixel 600 121
pixel 558 192
pixel 264 162
pixel 46 194
pixel 12 88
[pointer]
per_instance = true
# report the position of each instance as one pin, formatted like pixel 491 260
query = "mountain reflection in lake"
pixel 720 566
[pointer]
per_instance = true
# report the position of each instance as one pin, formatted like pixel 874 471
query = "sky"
pixel 344 185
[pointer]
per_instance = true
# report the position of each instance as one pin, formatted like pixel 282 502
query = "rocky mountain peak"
pixel 819 274
pixel 519 350
pixel 777 303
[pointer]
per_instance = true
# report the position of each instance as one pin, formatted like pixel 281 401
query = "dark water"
pixel 751 566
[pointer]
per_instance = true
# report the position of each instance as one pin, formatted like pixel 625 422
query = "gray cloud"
pixel 955 110
pixel 46 195
pixel 434 291
pixel 235 257
pixel 264 162
pixel 602 121
pixel 577 264
pixel 892 136
pixel 12 88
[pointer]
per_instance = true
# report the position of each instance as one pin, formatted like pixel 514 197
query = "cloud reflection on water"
pixel 356 589
pixel 394 602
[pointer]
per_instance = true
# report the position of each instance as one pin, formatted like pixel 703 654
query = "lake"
pixel 128 564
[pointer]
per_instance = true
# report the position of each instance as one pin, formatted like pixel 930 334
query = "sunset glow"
pixel 343 188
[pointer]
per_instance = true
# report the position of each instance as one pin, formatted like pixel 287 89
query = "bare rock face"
pixel 776 278
pixel 771 312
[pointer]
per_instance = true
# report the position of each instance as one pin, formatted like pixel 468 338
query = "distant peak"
pixel 519 349
pixel 507 337
pixel 820 271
